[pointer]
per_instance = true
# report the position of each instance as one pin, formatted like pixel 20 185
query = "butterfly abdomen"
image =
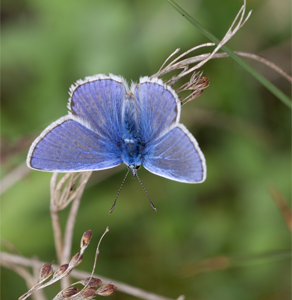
pixel 132 152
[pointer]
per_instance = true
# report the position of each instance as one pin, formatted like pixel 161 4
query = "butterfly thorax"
pixel 131 145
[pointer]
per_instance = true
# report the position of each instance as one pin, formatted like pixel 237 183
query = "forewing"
pixel 159 108
pixel 97 100
pixel 67 145
pixel 176 156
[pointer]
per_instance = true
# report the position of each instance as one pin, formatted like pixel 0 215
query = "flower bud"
pixel 46 271
pixel 87 293
pixel 106 289
pixel 70 291
pixel 93 282
pixel 85 240
pixel 60 271
pixel 75 260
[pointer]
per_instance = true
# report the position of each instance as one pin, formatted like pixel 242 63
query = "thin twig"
pixel 25 274
pixel 13 177
pixel 180 65
pixel 39 295
pixel 239 53
pixel 266 83
pixel 172 54
pixel 266 62
pixel 55 219
pixel 237 23
pixel 202 57
pixel 68 236
pixel 283 206
pixel 121 287
pixel 62 193
pixel 72 218
pixel 230 33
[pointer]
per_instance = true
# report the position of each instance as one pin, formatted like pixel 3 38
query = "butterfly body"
pixel 131 144
pixel 110 123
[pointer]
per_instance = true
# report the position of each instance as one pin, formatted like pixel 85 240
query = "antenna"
pixel 119 192
pixel 136 174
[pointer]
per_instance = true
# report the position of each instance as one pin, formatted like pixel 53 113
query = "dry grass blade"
pixel 208 265
pixel 88 291
pixel 91 284
pixel 68 236
pixel 283 206
pixel 224 262
pixel 22 271
pixel 197 83
pixel 13 177
pixel 122 287
pixel 70 187
pixel 266 62
pixel 176 64
pixel 66 189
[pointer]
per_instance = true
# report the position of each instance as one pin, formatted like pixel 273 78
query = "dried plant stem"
pixel 39 295
pixel 239 53
pixel 273 89
pixel 121 287
pixel 266 62
pixel 283 206
pixel 25 274
pixel 55 219
pixel 72 218
pixel 13 177
pixel 61 196
pixel 172 67
pixel 237 23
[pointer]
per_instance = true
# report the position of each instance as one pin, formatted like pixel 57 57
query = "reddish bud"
pixel 70 291
pixel 196 94
pixel 85 240
pixel 203 82
pixel 106 290
pixel 93 282
pixel 46 271
pixel 75 260
pixel 87 293
pixel 60 271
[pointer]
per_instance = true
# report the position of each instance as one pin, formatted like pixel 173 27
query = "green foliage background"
pixel 242 129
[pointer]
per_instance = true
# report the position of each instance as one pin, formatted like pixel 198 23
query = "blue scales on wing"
pixel 159 109
pixel 99 103
pixel 176 156
pixel 88 138
pixel 69 146
pixel 170 149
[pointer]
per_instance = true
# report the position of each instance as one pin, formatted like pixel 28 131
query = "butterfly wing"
pixel 159 108
pixel 87 138
pixel 67 145
pixel 98 100
pixel 170 149
pixel 176 156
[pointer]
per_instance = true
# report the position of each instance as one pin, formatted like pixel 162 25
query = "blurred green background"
pixel 242 129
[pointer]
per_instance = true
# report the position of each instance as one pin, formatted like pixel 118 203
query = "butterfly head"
pixel 134 169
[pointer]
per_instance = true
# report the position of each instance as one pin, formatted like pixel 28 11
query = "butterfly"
pixel 109 123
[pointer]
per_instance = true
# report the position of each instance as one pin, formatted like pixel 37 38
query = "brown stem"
pixel 13 177
pixel 55 219
pixel 68 236
pixel 121 287
pixel 181 64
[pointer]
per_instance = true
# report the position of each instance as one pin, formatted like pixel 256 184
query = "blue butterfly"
pixel 109 123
